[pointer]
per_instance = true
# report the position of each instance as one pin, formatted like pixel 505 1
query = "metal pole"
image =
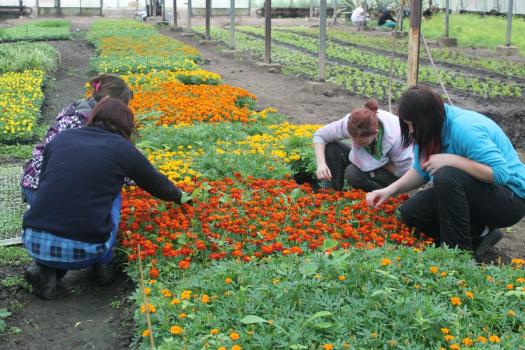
pixel 175 13
pixel 365 11
pixel 21 6
pixel 447 10
pixel 163 10
pixel 509 22
pixel 413 42
pixel 268 31
pixel 335 11
pixel 208 17
pixel 232 24
pixel 189 16
pixel 322 40
pixel 311 8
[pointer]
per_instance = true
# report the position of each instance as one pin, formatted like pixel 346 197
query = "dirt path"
pixel 93 317
pixel 288 95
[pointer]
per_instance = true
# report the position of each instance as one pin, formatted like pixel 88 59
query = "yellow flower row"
pixel 20 99
pixel 153 79
pixel 176 165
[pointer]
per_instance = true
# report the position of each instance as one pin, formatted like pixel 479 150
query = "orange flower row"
pixel 178 103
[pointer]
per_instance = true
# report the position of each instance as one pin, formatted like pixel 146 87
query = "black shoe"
pixel 43 279
pixel 488 242
pixel 105 273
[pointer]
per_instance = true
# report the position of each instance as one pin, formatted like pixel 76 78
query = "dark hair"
pixel 115 116
pixel 110 85
pixel 364 121
pixel 425 109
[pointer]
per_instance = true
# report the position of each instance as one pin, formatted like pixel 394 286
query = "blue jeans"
pixel 105 257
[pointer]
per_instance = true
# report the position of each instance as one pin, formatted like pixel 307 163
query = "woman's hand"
pixel 323 172
pixel 378 197
pixel 438 161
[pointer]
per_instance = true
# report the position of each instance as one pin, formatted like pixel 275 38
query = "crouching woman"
pixel 478 178
pixel 69 224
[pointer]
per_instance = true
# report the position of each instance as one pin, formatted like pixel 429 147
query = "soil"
pixel 90 318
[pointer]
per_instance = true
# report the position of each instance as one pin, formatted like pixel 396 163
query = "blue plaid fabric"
pixel 45 246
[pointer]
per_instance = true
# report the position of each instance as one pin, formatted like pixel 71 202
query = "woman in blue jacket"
pixel 478 178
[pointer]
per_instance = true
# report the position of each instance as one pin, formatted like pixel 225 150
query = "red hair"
pixel 364 121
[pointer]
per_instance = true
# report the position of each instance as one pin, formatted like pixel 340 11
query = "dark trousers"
pixel 336 154
pixel 458 207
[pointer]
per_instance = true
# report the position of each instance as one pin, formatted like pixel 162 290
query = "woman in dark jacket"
pixel 69 225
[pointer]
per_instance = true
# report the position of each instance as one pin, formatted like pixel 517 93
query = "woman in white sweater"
pixel 373 158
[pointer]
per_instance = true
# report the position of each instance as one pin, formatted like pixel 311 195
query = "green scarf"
pixel 376 148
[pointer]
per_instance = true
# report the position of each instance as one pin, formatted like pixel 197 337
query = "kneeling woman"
pixel 478 179
pixel 376 157
pixel 69 225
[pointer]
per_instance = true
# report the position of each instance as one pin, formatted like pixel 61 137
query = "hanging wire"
pixel 435 69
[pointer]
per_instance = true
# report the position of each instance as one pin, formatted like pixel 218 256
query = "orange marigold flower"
pixel 166 293
pixel 481 339
pixel 328 346
pixel 222 348
pixel 214 331
pixel 176 330
pixel 175 301
pixel 234 336
pixel 342 278
pixel 236 347
pixel 434 269
pixel 147 291
pixel 182 315
pixel 494 339
pixel 454 347
pixel 444 274
pixel 449 337
pixel 469 295
pixel 455 301
pixel 185 295
pixel 205 299
pixel 510 286
pixel 385 261
pixel 520 280
pixel 146 333
pixel 228 280
pixel 148 307
pixel 467 342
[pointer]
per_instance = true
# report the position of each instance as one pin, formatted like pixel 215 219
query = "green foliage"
pixel 362 298
pixel 37 31
pixel 15 281
pixel 140 64
pixel 13 255
pixel 3 315
pixel 18 57
pixel 17 151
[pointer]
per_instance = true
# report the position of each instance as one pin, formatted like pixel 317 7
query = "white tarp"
pixel 484 5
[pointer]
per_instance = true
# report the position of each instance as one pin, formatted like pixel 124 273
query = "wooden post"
pixel 232 24
pixel 175 13
pixel 21 6
pixel 311 8
pixel 101 7
pixel 335 10
pixel 413 42
pixel 447 10
pixel 268 31
pixel 154 8
pixel 189 16
pixel 365 12
pixel 208 19
pixel 509 22
pixel 163 10
pixel 322 41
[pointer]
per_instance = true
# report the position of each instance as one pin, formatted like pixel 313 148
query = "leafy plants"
pixel 37 31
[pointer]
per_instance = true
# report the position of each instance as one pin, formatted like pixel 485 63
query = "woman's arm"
pixel 408 182
pixel 479 171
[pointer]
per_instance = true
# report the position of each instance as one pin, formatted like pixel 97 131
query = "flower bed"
pixel 20 99
pixel 42 30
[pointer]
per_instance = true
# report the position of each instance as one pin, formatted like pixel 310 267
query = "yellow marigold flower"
pixel 147 291
pixel 346 345
pixel 518 261
pixel 228 280
pixel 166 293
pixel 176 330
pixel 449 337
pixel 444 330
pixel 150 308
pixel 469 295
pixel 511 313
pixel 182 315
pixel 520 280
pixel 342 278
pixel 234 336
pixel 481 339
pixel 374 335
pixel 146 333
pixel 454 347
pixel 385 261
pixel 489 278
pixel 175 301
pixel 205 299
pixel 328 346
pixel 455 301
pixel 214 331
pixel 467 342
pixel 434 269
pixel 185 295
pixel 222 348
pixel 494 339
pixel 236 347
